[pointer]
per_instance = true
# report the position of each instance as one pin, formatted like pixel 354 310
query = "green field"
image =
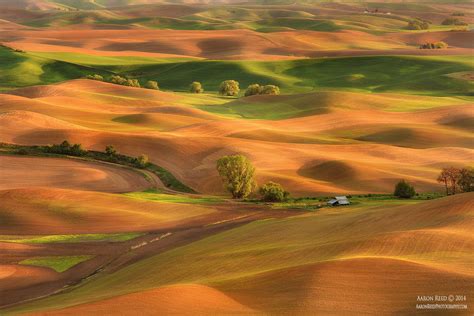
pixel 57 263
pixel 400 74
pixel 69 238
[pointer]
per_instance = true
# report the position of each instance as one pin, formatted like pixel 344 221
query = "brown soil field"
pixel 27 172
pixel 233 44
pixel 370 142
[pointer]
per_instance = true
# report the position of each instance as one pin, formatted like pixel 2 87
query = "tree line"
pixel 226 87
pixel 238 176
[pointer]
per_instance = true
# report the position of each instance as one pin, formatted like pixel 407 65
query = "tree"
pixel 271 89
pixel 404 190
pixel 132 83
pixel 449 177
pixel 466 179
pixel 110 150
pixel 273 192
pixel 238 175
pixel 229 88
pixel 150 84
pixel 253 89
pixel 118 80
pixel 196 87
pixel 141 161
pixel 453 21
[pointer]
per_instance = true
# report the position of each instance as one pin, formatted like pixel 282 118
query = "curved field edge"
pixel 167 178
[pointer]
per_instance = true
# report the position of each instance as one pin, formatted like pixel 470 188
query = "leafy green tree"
pixel 150 84
pixel 404 190
pixel 271 89
pixel 238 175
pixel 229 88
pixel 466 179
pixel 273 192
pixel 196 87
pixel 141 161
pixel 253 89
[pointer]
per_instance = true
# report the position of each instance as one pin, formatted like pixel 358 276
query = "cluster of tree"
pixel 453 21
pixel 255 89
pixel 457 180
pixel 437 45
pixel 238 175
pixel 65 148
pixel 113 156
pixel 457 14
pixel 116 79
pixel 418 24
pixel 95 77
pixel 404 190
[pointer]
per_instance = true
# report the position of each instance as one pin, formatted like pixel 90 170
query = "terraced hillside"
pixel 110 199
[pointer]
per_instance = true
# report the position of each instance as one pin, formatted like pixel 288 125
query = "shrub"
pixel 196 87
pixel 238 175
pixel 453 21
pixel 273 192
pixel 253 89
pixel 418 25
pixel 22 151
pixel 150 84
pixel 271 89
pixel 95 77
pixel 229 88
pixel 404 190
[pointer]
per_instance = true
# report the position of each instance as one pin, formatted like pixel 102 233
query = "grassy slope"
pixel 329 235
pixel 416 75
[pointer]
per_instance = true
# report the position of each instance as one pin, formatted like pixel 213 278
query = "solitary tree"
pixel 273 192
pixel 253 89
pixel 466 179
pixel 404 190
pixel 238 175
pixel 229 88
pixel 196 87
pixel 150 84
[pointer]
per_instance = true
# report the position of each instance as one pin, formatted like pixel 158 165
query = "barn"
pixel 339 200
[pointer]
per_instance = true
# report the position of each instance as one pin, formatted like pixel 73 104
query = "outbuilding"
pixel 339 200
